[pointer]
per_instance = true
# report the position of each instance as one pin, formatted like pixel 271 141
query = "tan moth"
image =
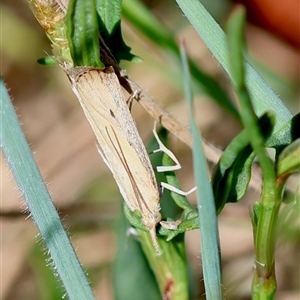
pixel 120 145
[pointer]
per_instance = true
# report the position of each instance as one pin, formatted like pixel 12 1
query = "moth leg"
pixel 177 166
pixel 176 190
pixel 171 225
pixel 163 148
pixel 134 95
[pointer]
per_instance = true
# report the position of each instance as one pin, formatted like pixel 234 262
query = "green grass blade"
pixel 42 210
pixel 264 98
pixel 206 205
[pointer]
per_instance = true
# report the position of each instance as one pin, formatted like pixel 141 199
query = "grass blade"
pixel 33 189
pixel 206 205
pixel 211 33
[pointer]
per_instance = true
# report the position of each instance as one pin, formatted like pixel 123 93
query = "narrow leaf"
pixel 40 205
pixel 206 206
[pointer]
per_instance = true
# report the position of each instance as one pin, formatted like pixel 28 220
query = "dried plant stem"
pixel 212 153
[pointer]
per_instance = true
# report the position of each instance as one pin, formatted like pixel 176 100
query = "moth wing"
pixel 123 151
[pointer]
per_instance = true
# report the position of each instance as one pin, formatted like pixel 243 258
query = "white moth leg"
pixel 173 225
pixel 134 95
pixel 163 148
pixel 176 190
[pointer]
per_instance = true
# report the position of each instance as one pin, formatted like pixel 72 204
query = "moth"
pixel 120 145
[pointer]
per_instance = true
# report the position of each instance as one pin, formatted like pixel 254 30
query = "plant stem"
pixel 264 282
pixel 169 268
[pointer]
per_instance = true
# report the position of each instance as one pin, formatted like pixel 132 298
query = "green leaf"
pixel 288 133
pixel 232 186
pixel 47 61
pixel 289 159
pixel 109 20
pixel 206 207
pixel 83 33
pixel 232 174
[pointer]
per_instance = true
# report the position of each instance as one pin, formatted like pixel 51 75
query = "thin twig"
pixel 212 153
